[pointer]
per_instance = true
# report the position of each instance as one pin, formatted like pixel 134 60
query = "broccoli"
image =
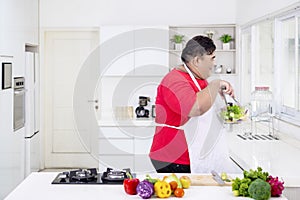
pixel 243 190
pixel 236 193
pixel 236 184
pixel 246 181
pixel 241 187
pixel 254 174
pixel 259 190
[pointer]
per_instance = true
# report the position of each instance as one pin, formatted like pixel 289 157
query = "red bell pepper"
pixel 130 184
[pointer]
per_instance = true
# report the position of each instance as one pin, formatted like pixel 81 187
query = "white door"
pixel 65 55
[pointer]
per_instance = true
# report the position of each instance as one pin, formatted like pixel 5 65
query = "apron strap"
pixel 192 76
pixel 170 126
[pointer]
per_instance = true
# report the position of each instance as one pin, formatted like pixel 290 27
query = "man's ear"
pixel 196 60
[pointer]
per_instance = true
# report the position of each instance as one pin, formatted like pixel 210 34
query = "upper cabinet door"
pixel 151 50
pixel 132 50
pixel 30 20
pixel 117 50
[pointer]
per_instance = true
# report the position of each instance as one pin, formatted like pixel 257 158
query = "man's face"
pixel 205 65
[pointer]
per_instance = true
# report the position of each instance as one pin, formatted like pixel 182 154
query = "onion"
pixel 276 186
pixel 145 189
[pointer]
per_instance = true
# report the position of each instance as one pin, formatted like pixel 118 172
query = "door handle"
pixel 93 101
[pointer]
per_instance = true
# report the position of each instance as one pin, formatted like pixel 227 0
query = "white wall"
pixel 254 9
pixel 88 13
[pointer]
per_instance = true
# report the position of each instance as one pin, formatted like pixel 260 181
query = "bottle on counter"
pixel 261 103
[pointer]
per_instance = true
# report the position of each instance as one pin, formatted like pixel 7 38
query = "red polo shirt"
pixel 176 96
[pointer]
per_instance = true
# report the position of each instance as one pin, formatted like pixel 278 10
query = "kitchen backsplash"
pixel 117 91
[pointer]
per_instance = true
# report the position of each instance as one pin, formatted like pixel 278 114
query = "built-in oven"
pixel 19 102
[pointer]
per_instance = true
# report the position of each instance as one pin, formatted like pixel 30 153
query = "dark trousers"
pixel 166 167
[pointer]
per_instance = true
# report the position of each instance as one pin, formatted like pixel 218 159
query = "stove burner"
pixel 114 176
pixel 81 175
pixel 91 176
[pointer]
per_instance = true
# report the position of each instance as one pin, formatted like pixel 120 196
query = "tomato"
pixel 179 192
pixel 173 185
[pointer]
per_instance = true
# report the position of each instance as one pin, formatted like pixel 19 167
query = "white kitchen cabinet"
pixel 143 137
pixel 116 146
pixel 4 24
pixel 117 50
pixel 31 21
pixel 12 143
pixel 126 146
pixel 134 50
pixel 111 131
pixel 116 149
pixel 6 130
pixel 151 50
pixel 19 25
pixel 116 162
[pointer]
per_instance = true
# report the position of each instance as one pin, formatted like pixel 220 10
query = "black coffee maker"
pixel 140 111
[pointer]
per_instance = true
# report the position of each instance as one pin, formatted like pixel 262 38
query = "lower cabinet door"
pixel 116 162
pixel 116 146
pixel 142 164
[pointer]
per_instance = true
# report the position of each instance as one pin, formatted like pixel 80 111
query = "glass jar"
pixel 261 103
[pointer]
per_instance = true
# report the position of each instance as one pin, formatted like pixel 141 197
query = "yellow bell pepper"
pixel 162 189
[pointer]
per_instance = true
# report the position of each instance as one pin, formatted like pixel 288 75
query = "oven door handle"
pixel 19 92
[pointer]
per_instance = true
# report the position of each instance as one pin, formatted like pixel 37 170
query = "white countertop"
pixel 38 186
pixel 277 157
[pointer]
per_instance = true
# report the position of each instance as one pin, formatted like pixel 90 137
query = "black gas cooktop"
pixel 91 176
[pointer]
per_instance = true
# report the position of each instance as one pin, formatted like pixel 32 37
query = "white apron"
pixel 206 138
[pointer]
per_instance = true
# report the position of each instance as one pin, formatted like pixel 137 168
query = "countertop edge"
pixel 133 122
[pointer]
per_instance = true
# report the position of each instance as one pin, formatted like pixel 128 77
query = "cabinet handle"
pixel 93 101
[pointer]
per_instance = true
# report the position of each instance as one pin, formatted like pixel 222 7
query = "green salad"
pixel 233 113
